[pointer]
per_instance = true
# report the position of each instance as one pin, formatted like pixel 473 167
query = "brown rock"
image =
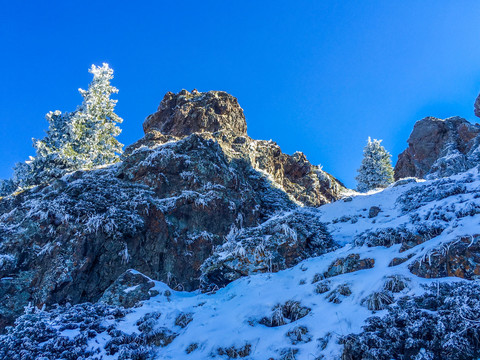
pixel 477 106
pixel 460 258
pixel 433 139
pixel 399 260
pixel 186 113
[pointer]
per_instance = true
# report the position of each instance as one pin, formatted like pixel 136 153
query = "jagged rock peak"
pixel 438 148
pixel 477 106
pixel 191 112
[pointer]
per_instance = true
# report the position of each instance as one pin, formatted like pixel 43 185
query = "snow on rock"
pixel 320 306
pixel 439 148
pixel 163 210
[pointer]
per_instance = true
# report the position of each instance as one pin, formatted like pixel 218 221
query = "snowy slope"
pixel 235 321
pixel 230 317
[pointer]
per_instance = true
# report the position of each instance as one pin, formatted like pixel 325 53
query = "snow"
pixel 231 316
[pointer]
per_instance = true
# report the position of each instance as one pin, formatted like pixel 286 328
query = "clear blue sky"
pixel 315 76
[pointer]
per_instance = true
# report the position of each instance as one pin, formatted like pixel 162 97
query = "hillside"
pixel 204 243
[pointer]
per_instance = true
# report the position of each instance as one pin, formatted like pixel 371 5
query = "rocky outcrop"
pixel 477 106
pixel 174 198
pixel 217 116
pixel 186 113
pixel 439 148
pixel 460 258
pixel 129 290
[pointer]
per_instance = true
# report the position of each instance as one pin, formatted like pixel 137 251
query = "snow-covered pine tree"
pixel 93 124
pixel 82 139
pixel 376 170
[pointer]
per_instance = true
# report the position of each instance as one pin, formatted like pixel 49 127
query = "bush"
pixel 443 323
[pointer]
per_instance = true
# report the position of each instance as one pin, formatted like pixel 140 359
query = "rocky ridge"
pixel 175 197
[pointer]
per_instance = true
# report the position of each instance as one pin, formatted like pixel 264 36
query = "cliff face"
pixel 195 178
pixel 217 116
pixel 439 148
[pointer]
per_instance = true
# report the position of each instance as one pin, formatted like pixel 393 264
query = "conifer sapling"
pixel 376 170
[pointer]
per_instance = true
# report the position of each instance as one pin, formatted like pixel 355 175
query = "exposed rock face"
pixel 163 210
pixel 186 113
pixel 477 106
pixel 438 148
pixel 217 115
pixel 460 258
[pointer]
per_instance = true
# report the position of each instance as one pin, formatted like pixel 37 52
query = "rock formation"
pixel 186 113
pixel 174 198
pixel 438 148
pixel 217 116
pixel 477 106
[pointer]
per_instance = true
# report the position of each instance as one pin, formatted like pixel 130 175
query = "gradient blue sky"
pixel 314 76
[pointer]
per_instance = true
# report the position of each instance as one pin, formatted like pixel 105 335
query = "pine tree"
pixel 93 124
pixel 81 139
pixel 376 170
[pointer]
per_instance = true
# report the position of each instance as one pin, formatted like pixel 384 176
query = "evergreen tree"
pixel 82 139
pixel 93 125
pixel 376 170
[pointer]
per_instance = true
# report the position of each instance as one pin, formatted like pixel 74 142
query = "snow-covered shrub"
pixel 61 333
pixel 183 319
pixel 285 314
pixel 288 354
pixel 395 283
pixel 378 300
pixel 408 236
pixel 299 334
pixel 443 323
pixel 322 287
pixel 422 194
pixel 233 352
pixel 96 200
pixel 339 293
pixel 278 243
pixel 376 170
pixel 148 321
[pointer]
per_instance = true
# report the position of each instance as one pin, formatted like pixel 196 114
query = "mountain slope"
pixel 174 197
pixel 204 243
pixel 386 243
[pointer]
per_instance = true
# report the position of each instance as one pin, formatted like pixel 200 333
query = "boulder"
pixel 129 290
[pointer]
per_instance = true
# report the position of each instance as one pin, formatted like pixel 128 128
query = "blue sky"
pixel 314 76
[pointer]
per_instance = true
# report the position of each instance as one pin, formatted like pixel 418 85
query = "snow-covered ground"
pixel 297 313
pixel 231 318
